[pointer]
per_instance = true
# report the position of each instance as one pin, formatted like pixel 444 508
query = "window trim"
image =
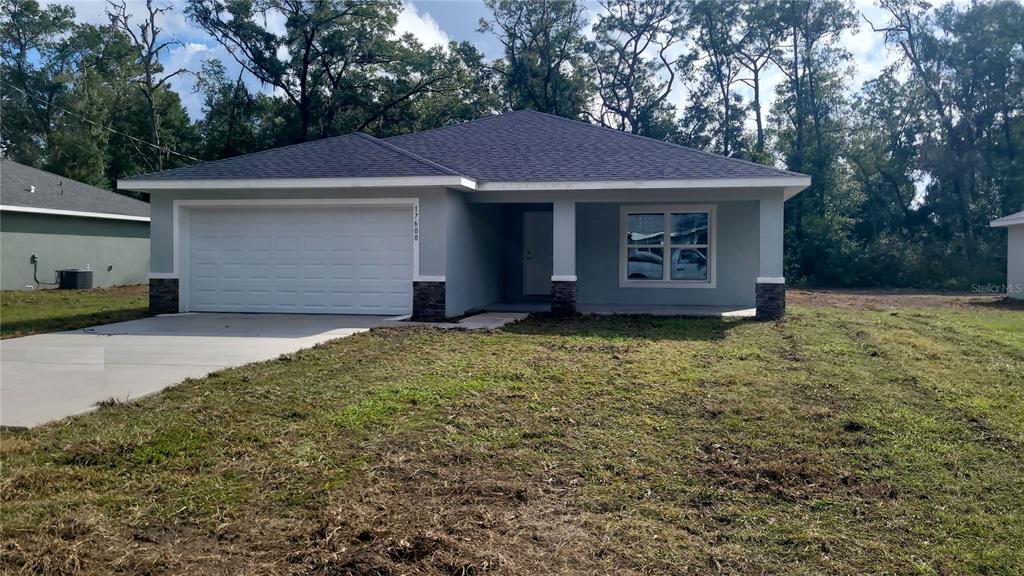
pixel 709 209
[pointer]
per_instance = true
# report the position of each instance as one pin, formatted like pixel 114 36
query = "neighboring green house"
pixel 68 224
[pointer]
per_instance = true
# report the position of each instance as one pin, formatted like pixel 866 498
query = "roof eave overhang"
pixel 296 183
pixel 792 185
pixel 1007 221
pixel 72 213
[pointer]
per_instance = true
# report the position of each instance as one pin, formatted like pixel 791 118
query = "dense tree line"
pixel 907 169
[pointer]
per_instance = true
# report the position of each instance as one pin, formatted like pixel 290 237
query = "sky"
pixel 435 22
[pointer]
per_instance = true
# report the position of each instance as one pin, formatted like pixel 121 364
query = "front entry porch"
pixel 537 257
pixel 709 258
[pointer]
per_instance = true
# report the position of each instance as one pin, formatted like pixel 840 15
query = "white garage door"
pixel 315 260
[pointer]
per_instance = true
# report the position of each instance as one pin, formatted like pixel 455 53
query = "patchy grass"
pixel 24 312
pixel 835 441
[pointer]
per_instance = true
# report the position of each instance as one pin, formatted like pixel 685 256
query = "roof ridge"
pixel 662 142
pixel 409 154
pixel 453 126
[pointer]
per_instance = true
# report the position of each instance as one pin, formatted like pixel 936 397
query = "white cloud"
pixel 274 22
pixel 187 51
pixel 870 54
pixel 421 25
pixel 189 56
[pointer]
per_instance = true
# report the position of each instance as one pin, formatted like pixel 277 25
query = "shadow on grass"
pixel 628 326
pixel 1005 303
pixel 32 326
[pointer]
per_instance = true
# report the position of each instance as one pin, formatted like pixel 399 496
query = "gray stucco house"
pixel 1014 224
pixel 68 224
pixel 518 208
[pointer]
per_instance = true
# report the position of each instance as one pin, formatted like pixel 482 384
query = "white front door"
pixel 538 253
pixel 310 260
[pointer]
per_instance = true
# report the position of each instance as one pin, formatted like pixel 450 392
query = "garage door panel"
pixel 313 271
pixel 311 260
pixel 284 272
pixel 399 272
pixel 233 271
pixel 259 271
pixel 340 272
pixel 204 270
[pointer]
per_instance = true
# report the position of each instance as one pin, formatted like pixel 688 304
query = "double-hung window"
pixel 667 246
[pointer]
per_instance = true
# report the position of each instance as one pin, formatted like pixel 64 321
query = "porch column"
pixel 563 279
pixel 429 283
pixel 163 269
pixel 770 294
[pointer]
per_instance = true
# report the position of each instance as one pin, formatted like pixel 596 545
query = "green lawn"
pixel 24 312
pixel 834 442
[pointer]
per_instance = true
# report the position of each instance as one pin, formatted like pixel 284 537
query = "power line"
pixel 98 125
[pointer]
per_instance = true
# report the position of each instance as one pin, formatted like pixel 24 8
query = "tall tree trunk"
pixel 798 123
pixel 154 117
pixel 757 110
pixel 154 126
pixel 726 117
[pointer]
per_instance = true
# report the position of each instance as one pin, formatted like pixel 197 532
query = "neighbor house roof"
pixel 1015 219
pixel 488 153
pixel 27 189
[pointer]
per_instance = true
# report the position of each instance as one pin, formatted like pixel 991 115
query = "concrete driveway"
pixel 51 376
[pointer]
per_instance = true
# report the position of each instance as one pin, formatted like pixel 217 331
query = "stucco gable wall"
pixel 1015 262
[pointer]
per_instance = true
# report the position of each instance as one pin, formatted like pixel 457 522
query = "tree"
pixel 716 36
pixel 809 120
pixel 232 121
pixel 151 79
pixel 885 123
pixel 969 67
pixel 635 65
pixel 761 36
pixel 69 87
pixel 30 46
pixel 545 66
pixel 337 62
pixel 469 90
pixel 78 142
pixel 884 126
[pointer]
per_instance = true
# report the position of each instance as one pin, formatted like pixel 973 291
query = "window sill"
pixel 664 284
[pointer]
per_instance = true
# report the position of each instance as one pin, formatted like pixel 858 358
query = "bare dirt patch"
pixel 789 474
pixel 414 515
pixel 896 299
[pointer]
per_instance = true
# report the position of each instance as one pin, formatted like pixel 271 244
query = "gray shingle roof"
pixel 529 146
pixel 522 146
pixel 54 192
pixel 350 156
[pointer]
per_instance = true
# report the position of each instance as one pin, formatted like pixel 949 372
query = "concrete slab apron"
pixel 51 376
